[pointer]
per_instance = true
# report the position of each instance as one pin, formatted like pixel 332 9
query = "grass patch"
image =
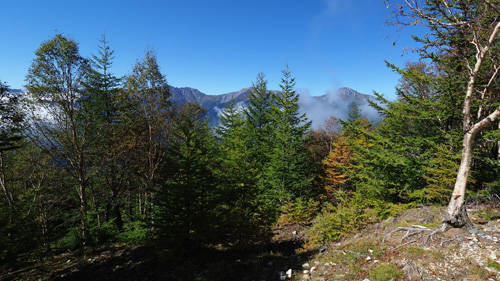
pixel 479 272
pixel 385 272
pixel 494 264
pixel 486 214
pixel 415 251
pixel 437 255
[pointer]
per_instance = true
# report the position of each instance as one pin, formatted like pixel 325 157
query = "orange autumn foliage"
pixel 334 166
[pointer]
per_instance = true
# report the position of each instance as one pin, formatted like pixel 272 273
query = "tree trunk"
pixel 83 210
pixel 118 218
pixel 456 214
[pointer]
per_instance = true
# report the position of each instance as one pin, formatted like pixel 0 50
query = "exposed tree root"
pixel 410 231
pixel 402 245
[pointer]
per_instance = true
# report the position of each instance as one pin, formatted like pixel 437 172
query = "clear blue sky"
pixel 218 46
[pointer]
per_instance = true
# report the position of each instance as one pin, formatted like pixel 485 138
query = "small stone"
pixel 367 259
pixel 306 265
pixel 294 232
pixel 313 268
pixel 370 250
pixel 289 273
pixel 305 271
pixel 493 256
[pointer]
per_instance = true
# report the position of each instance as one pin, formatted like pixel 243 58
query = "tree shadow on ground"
pixel 262 261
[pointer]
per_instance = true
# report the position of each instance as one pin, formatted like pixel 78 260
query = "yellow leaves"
pixel 339 158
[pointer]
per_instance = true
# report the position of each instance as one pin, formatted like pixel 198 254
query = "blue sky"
pixel 219 46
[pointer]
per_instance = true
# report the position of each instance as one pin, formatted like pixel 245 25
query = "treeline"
pixel 88 158
pixel 91 158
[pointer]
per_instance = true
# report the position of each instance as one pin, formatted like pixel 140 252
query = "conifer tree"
pixel 258 120
pixel 189 198
pixel 11 119
pixel 287 172
pixel 244 207
pixel 101 94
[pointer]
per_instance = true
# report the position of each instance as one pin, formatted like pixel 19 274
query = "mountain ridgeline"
pixel 337 103
pixel 317 108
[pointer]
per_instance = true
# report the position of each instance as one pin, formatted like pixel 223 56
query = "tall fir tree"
pixel 101 92
pixel 189 199
pixel 258 120
pixel 287 172
pixel 245 211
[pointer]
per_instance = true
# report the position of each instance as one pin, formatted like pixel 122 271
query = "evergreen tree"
pixel 101 93
pixel 287 172
pixel 258 121
pixel 245 211
pixel 189 199
pixel 11 119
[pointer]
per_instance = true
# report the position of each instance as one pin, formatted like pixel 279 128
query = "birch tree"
pixel 54 82
pixel 464 32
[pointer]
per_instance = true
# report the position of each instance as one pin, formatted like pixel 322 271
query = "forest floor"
pixel 399 248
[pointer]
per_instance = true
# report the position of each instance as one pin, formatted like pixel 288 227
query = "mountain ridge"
pixel 337 103
pixel 317 108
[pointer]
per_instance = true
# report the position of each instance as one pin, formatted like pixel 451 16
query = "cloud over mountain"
pixel 317 108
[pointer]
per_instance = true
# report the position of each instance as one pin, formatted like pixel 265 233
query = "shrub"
pixel 336 222
pixel 135 232
pixel 298 212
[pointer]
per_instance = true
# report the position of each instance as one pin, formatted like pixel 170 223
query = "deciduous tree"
pixel 463 34
pixel 55 84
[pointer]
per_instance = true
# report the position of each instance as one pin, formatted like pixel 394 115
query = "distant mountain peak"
pixel 335 102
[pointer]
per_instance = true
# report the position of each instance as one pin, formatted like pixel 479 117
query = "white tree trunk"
pixel 456 215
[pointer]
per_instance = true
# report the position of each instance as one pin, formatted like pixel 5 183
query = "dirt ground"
pixel 399 248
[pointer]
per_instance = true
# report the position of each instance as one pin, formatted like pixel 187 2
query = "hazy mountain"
pixel 317 108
